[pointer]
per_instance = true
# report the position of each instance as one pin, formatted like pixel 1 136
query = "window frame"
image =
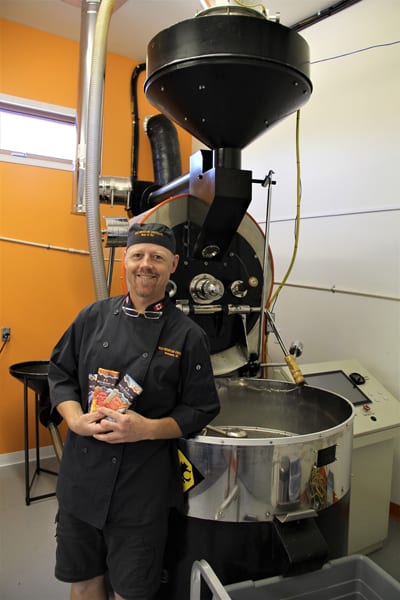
pixel 42 110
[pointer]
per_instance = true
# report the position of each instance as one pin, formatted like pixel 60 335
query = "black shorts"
pixel 132 556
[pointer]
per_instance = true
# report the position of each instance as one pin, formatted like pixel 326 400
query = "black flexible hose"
pixel 165 149
pixel 135 118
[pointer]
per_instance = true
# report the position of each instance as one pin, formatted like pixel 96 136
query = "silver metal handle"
pixel 201 569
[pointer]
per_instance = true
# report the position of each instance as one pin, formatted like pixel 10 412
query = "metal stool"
pixel 34 376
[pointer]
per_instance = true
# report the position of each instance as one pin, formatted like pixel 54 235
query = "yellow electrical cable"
pixel 297 228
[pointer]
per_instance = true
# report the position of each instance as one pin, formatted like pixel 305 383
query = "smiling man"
pixel 149 261
pixel 119 474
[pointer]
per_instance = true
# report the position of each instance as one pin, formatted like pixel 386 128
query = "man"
pixel 119 473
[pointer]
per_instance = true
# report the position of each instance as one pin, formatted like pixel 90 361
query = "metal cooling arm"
pixel 294 368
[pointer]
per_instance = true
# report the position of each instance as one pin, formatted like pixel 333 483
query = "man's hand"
pixel 85 424
pixel 133 427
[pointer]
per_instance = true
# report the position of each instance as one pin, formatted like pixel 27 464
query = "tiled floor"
pixel 388 557
pixel 27 543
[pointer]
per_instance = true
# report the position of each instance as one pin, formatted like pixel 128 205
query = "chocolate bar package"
pixel 100 386
pixel 120 397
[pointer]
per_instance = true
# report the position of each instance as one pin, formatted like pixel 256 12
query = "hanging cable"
pixel 352 52
pixel 297 221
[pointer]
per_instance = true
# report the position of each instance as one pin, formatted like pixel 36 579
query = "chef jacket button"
pixel 145 354
pixel 85 450
pixel 105 344
pixel 114 460
pixel 198 367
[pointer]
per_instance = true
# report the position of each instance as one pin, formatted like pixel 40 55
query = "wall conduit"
pixel 343 213
pixel 45 246
pixel 334 290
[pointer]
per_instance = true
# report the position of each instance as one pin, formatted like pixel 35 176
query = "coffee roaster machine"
pixel 267 483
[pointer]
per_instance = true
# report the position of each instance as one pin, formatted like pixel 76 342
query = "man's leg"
pixel 135 558
pixel 92 589
pixel 80 558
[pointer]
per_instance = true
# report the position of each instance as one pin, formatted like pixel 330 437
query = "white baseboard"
pixel 14 458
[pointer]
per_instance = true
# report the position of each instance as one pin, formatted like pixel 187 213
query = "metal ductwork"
pixel 89 12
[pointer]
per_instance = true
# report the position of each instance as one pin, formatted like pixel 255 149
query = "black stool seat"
pixel 34 373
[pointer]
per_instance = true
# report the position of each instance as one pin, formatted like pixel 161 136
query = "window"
pixel 36 133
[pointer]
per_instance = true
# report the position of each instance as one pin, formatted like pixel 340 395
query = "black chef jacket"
pixel 131 482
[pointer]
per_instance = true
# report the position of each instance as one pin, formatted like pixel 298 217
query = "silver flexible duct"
pixel 89 10
pixel 93 155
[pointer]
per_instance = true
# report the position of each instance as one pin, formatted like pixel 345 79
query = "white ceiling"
pixel 135 22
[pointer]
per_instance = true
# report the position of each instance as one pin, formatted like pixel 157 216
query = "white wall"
pixel 350 227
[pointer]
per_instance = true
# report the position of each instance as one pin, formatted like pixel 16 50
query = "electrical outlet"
pixel 5 334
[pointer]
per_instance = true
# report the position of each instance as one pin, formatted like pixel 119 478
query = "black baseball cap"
pixel 151 233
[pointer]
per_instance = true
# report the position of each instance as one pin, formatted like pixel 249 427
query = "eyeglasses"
pixel 147 314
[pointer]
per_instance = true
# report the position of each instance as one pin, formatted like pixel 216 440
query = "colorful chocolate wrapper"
pixel 117 397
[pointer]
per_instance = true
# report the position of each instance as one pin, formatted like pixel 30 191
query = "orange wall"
pixel 41 290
